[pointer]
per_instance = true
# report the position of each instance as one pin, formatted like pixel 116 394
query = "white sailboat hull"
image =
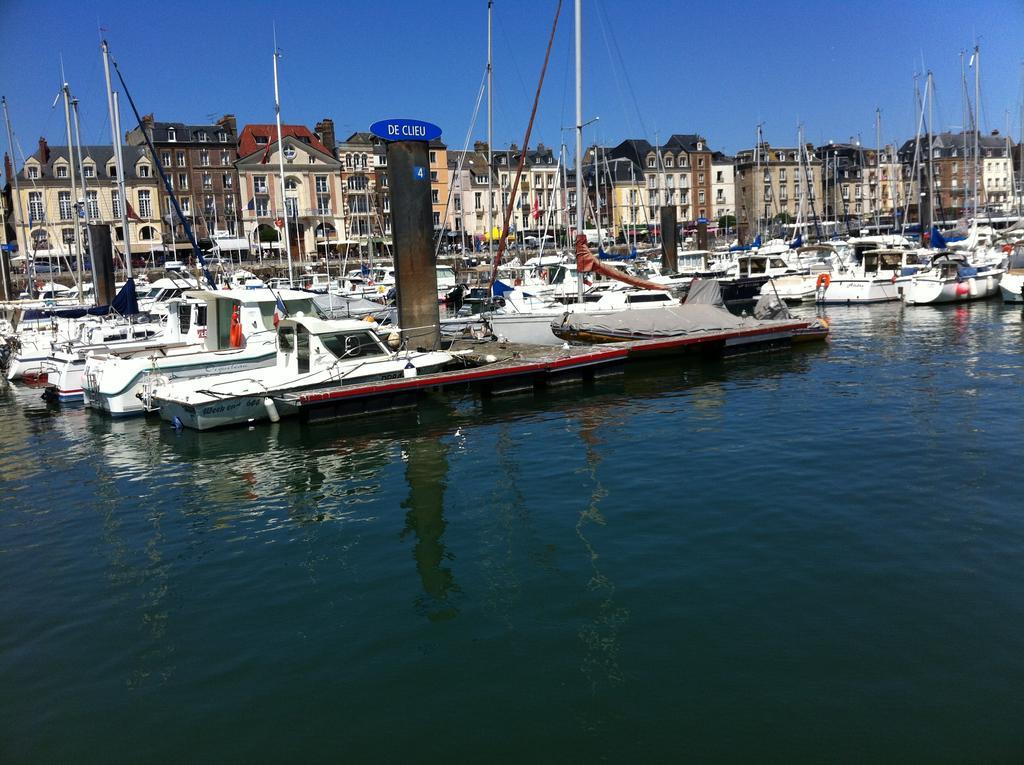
pixel 1012 288
pixel 844 291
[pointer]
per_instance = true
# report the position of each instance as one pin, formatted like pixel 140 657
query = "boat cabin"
pixel 306 344
pixel 256 308
pixel 894 261
pixel 760 265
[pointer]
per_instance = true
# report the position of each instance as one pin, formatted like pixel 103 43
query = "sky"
pixel 650 67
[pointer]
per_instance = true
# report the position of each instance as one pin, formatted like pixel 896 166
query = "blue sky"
pixel 650 66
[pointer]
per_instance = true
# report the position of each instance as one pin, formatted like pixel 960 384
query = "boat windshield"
pixel 292 307
pixel 350 345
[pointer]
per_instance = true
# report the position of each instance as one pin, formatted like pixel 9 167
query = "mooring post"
pixel 702 233
pixel 103 263
pixel 412 225
pixel 669 261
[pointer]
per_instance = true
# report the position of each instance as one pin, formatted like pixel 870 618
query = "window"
pixel 112 170
pixel 700 178
pixel 782 175
pixel 62 171
pixel 41 240
pixel 204 157
pixel 321 184
pixel 33 171
pixel 477 201
pixel 291 207
pixel 172 134
pixel 207 181
pixel 68 235
pixel 165 158
pixel 145 205
pixel 115 203
pixel 700 162
pixel 203 136
pixel 668 161
pixel 433 157
pixel 262 140
pixel 143 171
pixel 351 345
pixel 437 219
pixel 262 205
pixel 650 162
pixel 182 180
pixel 434 199
pixel 227 180
pixel 64 203
pixel 92 204
pixel 323 204
pixel 290 184
pixel 223 136
pixel 700 196
pixel 259 184
pixel 180 158
pixel 225 157
pixel 89 171
pixel 433 176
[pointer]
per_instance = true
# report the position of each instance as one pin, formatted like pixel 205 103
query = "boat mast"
pixel 929 94
pixel 115 132
pixel 490 133
pixel 81 175
pixel 976 59
pixel 878 171
pixel 280 164
pixel 965 117
pixel 66 90
pixel 20 223
pixel 579 136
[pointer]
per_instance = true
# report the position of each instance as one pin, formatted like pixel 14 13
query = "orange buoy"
pixel 823 279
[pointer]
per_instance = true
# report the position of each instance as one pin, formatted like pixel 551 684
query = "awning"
pixel 231 243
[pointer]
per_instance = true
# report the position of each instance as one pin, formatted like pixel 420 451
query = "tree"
pixel 783 218
pixel 727 221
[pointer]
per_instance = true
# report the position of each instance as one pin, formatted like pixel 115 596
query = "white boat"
pixel 311 354
pixel 950 279
pixel 116 382
pixel 874 279
pixel 1012 283
pixel 814 260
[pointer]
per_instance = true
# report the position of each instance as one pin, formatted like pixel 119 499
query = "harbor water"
pixel 809 556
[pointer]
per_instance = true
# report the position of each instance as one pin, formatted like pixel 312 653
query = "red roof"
pixel 247 140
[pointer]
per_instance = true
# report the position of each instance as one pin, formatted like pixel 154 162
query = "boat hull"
pixel 925 290
pixel 1012 288
pixel 841 291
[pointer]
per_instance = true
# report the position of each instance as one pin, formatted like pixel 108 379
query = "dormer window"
pixel 142 171
pixel 668 161
pixel 112 171
pixel 203 135
pixel 89 171
pixel 33 171
pixel 650 162
pixel 62 171
pixel 172 135
pixel 262 140
pixel 223 137
pixel 700 146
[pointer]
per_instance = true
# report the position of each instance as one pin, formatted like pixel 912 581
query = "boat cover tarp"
pixel 344 306
pixel 670 321
pixel 126 302
pixel 705 292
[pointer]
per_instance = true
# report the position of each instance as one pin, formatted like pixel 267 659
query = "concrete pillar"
pixel 702 233
pixel 102 263
pixel 412 225
pixel 669 261
pixel 7 291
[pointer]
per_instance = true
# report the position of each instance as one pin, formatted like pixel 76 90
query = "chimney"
pixel 229 123
pixel 44 150
pixel 325 132
pixel 480 146
pixel 513 147
pixel 8 170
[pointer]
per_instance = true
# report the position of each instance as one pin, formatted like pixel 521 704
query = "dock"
pixel 494 368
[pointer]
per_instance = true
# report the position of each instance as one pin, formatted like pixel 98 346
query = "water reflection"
pixel 426 472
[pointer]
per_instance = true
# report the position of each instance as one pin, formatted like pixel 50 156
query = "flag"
pixel 280 312
pixel 131 212
pixel 252 204
pixel 937 241
pixel 757 241
pixel 798 242
pixel 536 209
pixel 279 222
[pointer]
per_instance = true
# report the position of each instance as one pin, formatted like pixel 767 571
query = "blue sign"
pixel 702 220
pixel 9 247
pixel 419 173
pixel 405 130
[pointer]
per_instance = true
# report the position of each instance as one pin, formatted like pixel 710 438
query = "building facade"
pixel 723 188
pixel 51 212
pixel 775 187
pixel 199 161
pixel 312 205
